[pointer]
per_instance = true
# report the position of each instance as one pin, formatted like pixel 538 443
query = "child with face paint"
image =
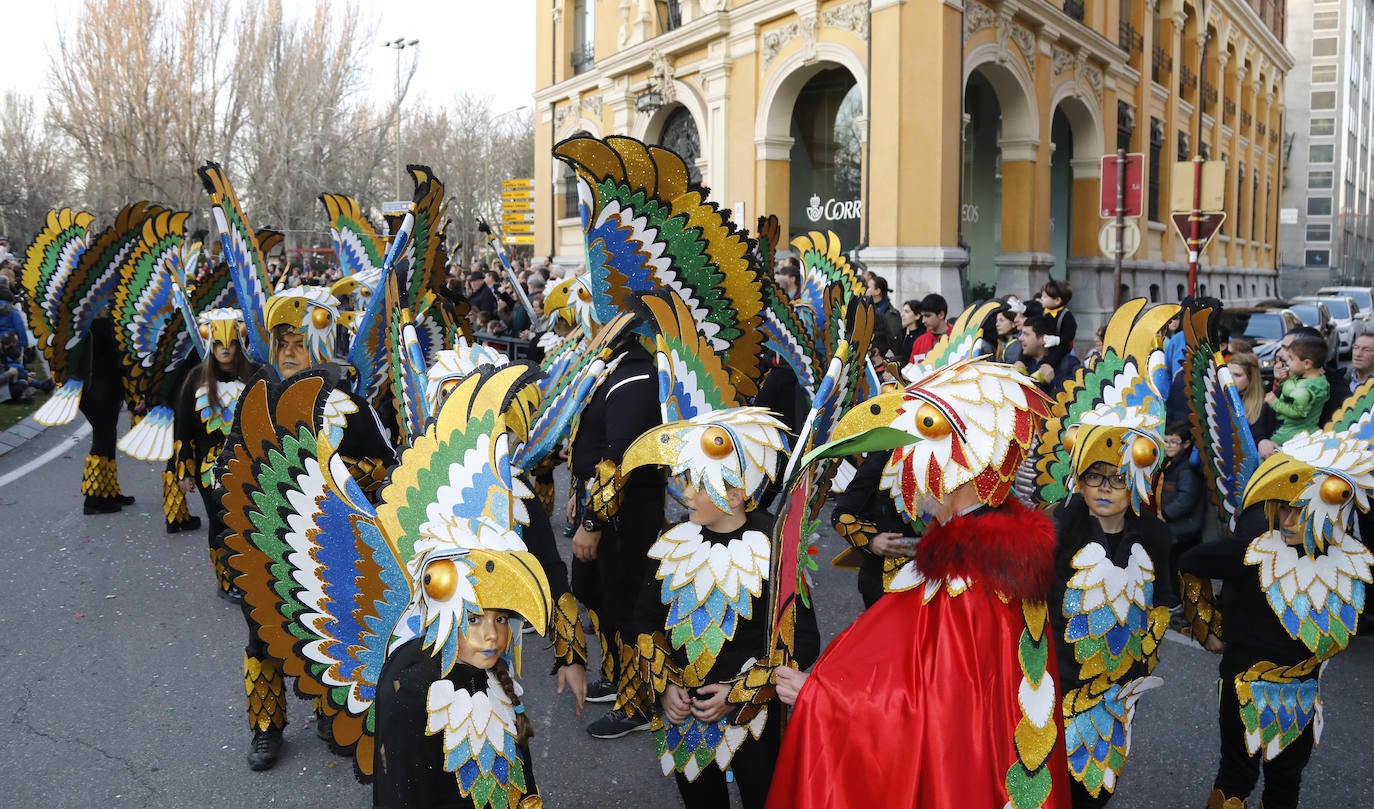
pixel 702 614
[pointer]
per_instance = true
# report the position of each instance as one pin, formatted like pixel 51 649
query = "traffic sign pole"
pixel 1195 231
pixel 1120 226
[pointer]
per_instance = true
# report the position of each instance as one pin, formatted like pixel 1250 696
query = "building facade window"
pixel 1319 179
pixel 1156 148
pixel 1315 258
pixel 826 157
pixel 1322 127
pixel 1325 20
pixel 584 35
pixel 1321 153
pixel 1323 74
pixel 1318 233
pixel 1324 100
pixel 680 135
pixel 1318 206
pixel 1324 46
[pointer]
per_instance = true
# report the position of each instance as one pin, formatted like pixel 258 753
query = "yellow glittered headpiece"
pixel 1128 439
pixel 224 326
pixel 1327 476
pixel 310 310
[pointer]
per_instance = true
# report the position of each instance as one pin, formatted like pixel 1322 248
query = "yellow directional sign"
pixel 518 228
pixel 1213 186
pixel 517 216
pixel 527 193
pixel 520 239
pixel 522 206
pixel 519 182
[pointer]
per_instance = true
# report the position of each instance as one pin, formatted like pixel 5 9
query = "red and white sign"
pixel 1135 180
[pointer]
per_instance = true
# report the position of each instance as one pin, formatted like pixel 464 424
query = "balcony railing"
pixel 1230 107
pixel 1074 8
pixel 1161 65
pixel 1187 82
pixel 1209 96
pixel 1246 118
pixel 1262 129
pixel 1130 40
pixel 583 57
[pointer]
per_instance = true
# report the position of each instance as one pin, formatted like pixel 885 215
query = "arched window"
pixel 1154 293
pixel 1180 293
pixel 680 135
pixel 568 179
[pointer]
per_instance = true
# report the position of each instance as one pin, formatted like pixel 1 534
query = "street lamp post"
pixel 399 44
pixel 492 134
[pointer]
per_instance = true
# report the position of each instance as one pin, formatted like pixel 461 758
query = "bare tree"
pixel 36 175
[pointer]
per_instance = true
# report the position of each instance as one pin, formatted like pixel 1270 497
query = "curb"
pixel 18 435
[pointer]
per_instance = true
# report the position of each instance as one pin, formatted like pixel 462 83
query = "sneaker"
pixel 616 724
pixel 263 750
pixel 602 690
pixel 123 499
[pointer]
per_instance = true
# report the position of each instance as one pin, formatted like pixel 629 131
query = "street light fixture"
pixel 399 44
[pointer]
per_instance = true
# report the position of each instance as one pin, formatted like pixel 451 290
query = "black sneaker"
pixel 123 499
pixel 602 690
pixel 616 724
pixel 263 750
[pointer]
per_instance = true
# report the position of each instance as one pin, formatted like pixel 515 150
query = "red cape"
pixel 915 704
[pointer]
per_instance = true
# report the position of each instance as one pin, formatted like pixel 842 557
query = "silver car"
pixel 1363 296
pixel 1345 312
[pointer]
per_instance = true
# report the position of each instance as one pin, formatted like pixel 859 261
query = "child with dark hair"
pixel 1055 296
pixel 1181 500
pixel 934 311
pixel 1043 357
pixel 1305 391
pixel 21 380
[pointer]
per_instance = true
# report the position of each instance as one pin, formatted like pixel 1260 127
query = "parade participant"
pixel 1293 574
pixel 302 324
pixel 1111 577
pixel 943 692
pixel 418 663
pixel 702 612
pixel 96 361
pixel 610 556
pixel 865 517
pixel 204 417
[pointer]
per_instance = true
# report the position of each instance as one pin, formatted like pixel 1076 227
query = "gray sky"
pixel 484 47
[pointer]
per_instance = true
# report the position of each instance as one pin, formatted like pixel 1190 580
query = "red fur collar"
pixel 1010 548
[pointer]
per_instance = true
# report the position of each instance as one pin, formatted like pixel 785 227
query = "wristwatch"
pixel 591 525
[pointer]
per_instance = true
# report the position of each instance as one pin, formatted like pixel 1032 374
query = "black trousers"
pixel 1239 771
pixel 752 768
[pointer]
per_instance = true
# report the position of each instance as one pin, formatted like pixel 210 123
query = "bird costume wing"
pixel 149 330
pixel 646 229
pixel 243 253
pixel 960 341
pixel 325 586
pixel 355 240
pixel 1221 430
pixel 52 257
pixel 1126 374
pixel 1355 416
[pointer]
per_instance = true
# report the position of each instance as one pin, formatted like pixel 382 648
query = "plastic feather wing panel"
pixel 355 240
pixel 428 266
pixel 962 339
pixel 646 230
pixel 1221 429
pixel 408 368
pixel 692 379
pixel 822 264
pixel 318 576
pixel 92 286
pixel 458 471
pixel 1080 395
pixel 147 319
pixel 244 255
pixel 770 234
pixel 1355 416
pixel 50 260
pixel 790 336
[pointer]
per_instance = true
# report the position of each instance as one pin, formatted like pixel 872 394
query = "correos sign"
pixel 833 209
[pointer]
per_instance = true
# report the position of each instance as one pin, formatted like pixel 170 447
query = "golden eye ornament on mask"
pixel 1070 436
pixel 1335 490
pixel 584 294
pixel 320 317
pixel 716 442
pixel 931 422
pixel 441 579
pixel 205 332
pixel 1144 453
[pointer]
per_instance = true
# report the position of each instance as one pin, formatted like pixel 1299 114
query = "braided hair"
pixel 524 729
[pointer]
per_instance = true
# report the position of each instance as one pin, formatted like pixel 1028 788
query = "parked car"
pixel 1315 314
pixel 1364 297
pixel 1345 312
pixel 1264 328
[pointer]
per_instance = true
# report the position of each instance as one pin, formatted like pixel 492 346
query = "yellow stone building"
pixel 956 144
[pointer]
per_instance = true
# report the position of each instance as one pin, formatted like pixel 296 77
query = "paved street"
pixel 123 671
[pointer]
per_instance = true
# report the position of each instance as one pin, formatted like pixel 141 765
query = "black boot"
pixel 263 750
pixel 124 499
pixel 191 523
pixel 100 505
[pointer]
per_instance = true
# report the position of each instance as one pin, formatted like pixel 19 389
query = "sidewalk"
pixel 19 434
